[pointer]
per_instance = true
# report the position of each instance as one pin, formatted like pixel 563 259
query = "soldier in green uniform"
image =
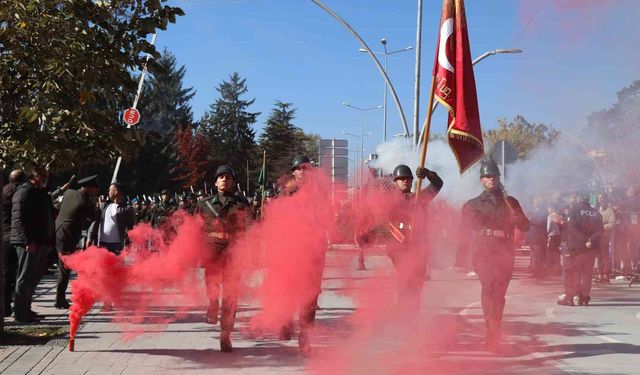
pixel 227 215
pixel 488 224
pixel 408 254
pixel 162 210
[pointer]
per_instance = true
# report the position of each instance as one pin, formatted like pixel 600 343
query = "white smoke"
pixel 457 189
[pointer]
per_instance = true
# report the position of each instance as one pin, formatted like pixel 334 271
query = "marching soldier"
pixel 584 229
pixel 226 214
pixel 307 307
pixel 410 259
pixel 490 220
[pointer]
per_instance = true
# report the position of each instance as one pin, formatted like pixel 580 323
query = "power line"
pixel 526 27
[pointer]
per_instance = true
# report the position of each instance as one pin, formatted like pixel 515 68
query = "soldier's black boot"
pixel 286 332
pixel 225 342
pixel 62 304
pixel 361 265
pixel 212 313
pixel 304 343
pixel 583 300
pixel 565 301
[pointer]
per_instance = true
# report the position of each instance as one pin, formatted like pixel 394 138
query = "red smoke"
pixel 158 262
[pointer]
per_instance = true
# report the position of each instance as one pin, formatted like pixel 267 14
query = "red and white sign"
pixel 131 116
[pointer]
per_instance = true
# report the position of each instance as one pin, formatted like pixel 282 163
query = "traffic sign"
pixel 504 152
pixel 131 116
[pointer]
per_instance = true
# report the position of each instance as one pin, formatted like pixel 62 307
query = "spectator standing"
pixel 554 239
pixel 536 237
pixel 609 221
pixel 32 234
pixel 115 218
pixel 16 178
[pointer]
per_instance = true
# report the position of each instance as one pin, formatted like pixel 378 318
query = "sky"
pixel 576 55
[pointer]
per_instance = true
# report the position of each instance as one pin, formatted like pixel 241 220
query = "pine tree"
pixel 164 104
pixel 228 127
pixel 165 112
pixel 279 138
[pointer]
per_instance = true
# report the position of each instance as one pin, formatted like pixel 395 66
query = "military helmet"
pixel 225 169
pixel 299 160
pixel 402 171
pixel 488 167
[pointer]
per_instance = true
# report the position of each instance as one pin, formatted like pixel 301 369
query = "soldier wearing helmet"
pixel 227 214
pixel 488 224
pixel 408 255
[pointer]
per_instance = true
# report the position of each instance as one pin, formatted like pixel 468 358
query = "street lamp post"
pixel 386 53
pixel 362 134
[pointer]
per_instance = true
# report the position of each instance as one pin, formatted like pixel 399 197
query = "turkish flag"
pixel 455 86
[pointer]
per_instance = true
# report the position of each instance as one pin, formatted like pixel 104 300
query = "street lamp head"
pixel 512 50
pixel 380 106
pixel 345 103
pixel 383 41
pixel 408 48
pixel 362 50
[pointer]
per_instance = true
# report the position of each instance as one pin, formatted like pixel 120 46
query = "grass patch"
pixel 32 335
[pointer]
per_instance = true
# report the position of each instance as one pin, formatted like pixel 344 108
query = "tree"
pixel 192 151
pixel 166 120
pixel 65 75
pixel 614 134
pixel 164 104
pixel 228 128
pixel 279 138
pixel 524 135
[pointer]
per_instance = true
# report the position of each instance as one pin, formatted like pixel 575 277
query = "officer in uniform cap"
pixel 227 214
pixel 77 211
pixel 488 224
pixel 584 228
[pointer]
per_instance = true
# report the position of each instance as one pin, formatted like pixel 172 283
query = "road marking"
pixel 466 310
pixel 549 313
pixel 638 315
pixel 610 339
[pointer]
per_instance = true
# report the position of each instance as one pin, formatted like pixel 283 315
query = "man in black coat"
pixel 77 211
pixel 16 178
pixel 584 228
pixel 32 234
pixel 488 224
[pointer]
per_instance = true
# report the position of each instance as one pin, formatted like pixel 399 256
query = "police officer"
pixel 227 214
pixel 408 257
pixel 489 221
pixel 584 228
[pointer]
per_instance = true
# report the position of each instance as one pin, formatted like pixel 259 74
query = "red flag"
pixel 455 86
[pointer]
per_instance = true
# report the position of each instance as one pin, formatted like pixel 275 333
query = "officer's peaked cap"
pixel 91 181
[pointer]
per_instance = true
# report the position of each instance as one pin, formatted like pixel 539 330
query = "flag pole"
pixel 263 182
pixel 425 136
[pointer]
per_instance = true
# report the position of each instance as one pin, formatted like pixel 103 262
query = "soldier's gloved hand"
pixel 422 173
pixel 221 244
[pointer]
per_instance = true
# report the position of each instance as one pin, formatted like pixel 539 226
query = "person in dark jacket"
pixel 77 211
pixel 584 228
pixel 32 234
pixel 488 222
pixel 16 178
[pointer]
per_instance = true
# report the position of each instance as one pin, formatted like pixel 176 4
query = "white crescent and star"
pixel 445 32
